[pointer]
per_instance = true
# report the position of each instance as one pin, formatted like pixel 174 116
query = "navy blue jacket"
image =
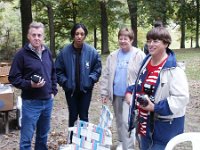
pixel 27 63
pixel 90 68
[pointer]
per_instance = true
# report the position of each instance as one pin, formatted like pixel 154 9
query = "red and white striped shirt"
pixel 151 79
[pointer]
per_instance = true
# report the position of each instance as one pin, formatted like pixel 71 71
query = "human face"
pixel 125 43
pixel 79 38
pixel 156 47
pixel 36 37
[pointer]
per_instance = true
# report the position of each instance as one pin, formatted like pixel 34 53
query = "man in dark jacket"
pixel 33 72
pixel 78 67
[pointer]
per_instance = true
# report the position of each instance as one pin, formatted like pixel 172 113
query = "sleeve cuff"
pixel 162 108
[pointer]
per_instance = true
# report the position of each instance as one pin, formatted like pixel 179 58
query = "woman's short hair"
pixel 159 33
pixel 77 26
pixel 126 32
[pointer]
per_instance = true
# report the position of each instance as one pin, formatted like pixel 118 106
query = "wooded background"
pixel 103 18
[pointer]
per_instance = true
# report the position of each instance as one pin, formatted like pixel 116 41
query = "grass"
pixel 191 57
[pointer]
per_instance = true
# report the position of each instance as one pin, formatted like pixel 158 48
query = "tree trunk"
pixel 7 49
pixel 51 29
pixel 191 42
pixel 182 24
pixel 164 19
pixel 74 13
pixel 104 28
pixel 7 38
pixel 197 24
pixel 132 5
pixel 26 18
pixel 95 37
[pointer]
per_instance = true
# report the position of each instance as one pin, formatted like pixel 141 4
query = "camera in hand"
pixel 142 100
pixel 149 89
pixel 36 78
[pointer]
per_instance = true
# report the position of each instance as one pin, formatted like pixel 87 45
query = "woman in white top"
pixel 121 70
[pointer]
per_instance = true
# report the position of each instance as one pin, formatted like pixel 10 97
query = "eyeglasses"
pixel 149 42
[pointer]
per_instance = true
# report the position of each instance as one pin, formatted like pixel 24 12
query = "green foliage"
pixel 68 12
pixel 189 11
pixel 190 19
pixel 153 10
pixel 10 31
pixel 64 15
pixel 117 17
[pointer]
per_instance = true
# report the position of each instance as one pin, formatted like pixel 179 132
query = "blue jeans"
pixel 36 115
pixel 147 144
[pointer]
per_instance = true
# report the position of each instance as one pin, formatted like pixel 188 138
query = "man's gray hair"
pixel 36 25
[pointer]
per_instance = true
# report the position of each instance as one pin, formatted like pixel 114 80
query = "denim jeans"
pixel 36 115
pixel 78 105
pixel 147 144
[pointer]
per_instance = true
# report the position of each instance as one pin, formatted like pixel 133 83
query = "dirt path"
pixel 58 134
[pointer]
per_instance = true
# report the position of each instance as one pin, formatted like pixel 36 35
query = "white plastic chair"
pixel 193 137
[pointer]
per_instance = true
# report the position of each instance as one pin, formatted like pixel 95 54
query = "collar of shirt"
pixel 34 49
pixel 38 52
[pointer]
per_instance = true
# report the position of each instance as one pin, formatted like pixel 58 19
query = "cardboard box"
pixel 4 72
pixel 7 97
pixel 4 80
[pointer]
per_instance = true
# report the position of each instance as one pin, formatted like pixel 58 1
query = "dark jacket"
pixel 90 68
pixel 27 63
